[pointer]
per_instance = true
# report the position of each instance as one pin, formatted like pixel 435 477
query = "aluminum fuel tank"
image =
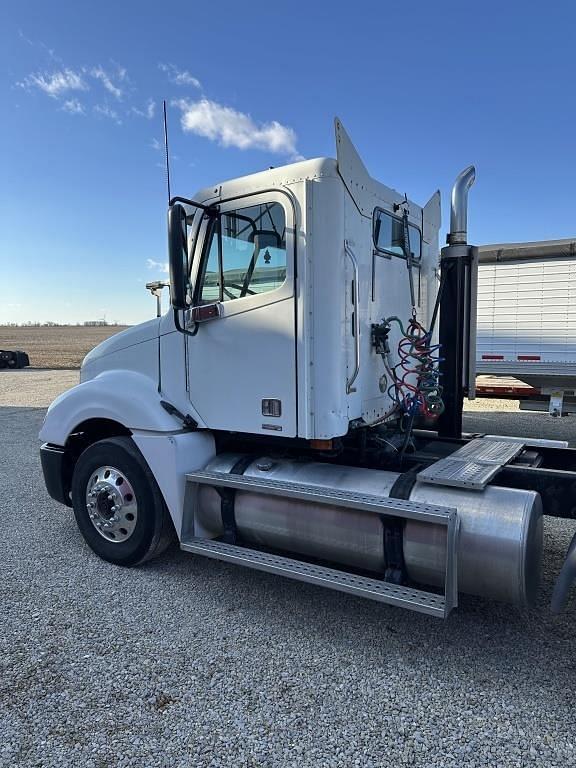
pixel 499 543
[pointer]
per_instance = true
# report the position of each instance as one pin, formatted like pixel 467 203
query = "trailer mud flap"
pixel 565 580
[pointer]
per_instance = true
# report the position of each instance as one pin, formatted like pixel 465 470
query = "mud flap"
pixel 565 580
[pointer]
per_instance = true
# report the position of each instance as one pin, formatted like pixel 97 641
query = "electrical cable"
pixel 415 388
pixel 415 384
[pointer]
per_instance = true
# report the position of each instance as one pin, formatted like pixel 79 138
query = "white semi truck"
pixel 298 409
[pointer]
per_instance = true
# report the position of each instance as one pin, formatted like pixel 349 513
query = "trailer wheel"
pixel 117 503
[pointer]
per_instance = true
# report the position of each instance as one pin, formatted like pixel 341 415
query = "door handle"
pixel 356 293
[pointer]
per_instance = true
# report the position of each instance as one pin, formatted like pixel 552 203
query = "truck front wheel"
pixel 118 505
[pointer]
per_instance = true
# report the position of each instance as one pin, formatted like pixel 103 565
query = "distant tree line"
pixel 50 324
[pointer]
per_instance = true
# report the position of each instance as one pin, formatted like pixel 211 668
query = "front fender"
pixel 129 398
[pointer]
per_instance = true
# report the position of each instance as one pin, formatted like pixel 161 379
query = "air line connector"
pixel 379 337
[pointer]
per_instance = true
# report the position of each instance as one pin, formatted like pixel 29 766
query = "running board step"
pixel 404 597
pixel 414 599
pixel 414 510
pixel 472 466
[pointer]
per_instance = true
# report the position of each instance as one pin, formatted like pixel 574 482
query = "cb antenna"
pixel 166 151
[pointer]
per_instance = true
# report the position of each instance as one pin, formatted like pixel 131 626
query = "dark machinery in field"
pixel 13 359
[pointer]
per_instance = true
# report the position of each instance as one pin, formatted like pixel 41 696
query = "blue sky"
pixel 423 88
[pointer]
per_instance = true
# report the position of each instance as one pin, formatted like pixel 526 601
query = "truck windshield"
pixel 388 234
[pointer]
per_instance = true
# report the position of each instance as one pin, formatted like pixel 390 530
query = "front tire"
pixel 118 506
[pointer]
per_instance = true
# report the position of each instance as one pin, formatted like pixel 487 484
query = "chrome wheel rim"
pixel 111 504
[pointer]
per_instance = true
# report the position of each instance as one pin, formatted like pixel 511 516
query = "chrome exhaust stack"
pixel 459 207
pixel 457 336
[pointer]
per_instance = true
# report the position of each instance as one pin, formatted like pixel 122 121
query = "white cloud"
pixel 74 107
pixel 22 36
pixel 179 76
pixel 98 73
pixel 105 111
pixel 232 128
pixel 158 146
pixel 149 111
pixel 159 266
pixel 217 122
pixel 56 83
pixel 39 44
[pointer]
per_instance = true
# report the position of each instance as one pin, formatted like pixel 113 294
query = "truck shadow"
pixel 489 638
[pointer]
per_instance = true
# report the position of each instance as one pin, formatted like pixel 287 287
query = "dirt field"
pixel 58 347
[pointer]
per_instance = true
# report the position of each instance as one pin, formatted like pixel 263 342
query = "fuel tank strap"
pixel 402 487
pixel 227 502
pixel 393 531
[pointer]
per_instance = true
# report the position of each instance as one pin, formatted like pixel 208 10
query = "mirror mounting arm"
pixel 180 327
pixel 186 201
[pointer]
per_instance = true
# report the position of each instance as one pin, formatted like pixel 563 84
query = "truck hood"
pixel 128 338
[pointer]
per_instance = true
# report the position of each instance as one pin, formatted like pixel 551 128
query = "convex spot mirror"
pixel 178 256
pixel 265 238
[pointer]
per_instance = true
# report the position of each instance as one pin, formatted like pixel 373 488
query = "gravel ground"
pixel 29 388
pixel 504 417
pixel 188 662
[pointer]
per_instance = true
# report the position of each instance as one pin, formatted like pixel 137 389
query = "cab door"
pixel 241 362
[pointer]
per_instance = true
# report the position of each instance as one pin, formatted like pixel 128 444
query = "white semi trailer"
pixel 298 409
pixel 527 320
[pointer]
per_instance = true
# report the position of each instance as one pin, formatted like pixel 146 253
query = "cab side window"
pixel 245 254
pixel 388 235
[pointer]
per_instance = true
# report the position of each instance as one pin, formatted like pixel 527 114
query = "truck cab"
pixel 288 270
